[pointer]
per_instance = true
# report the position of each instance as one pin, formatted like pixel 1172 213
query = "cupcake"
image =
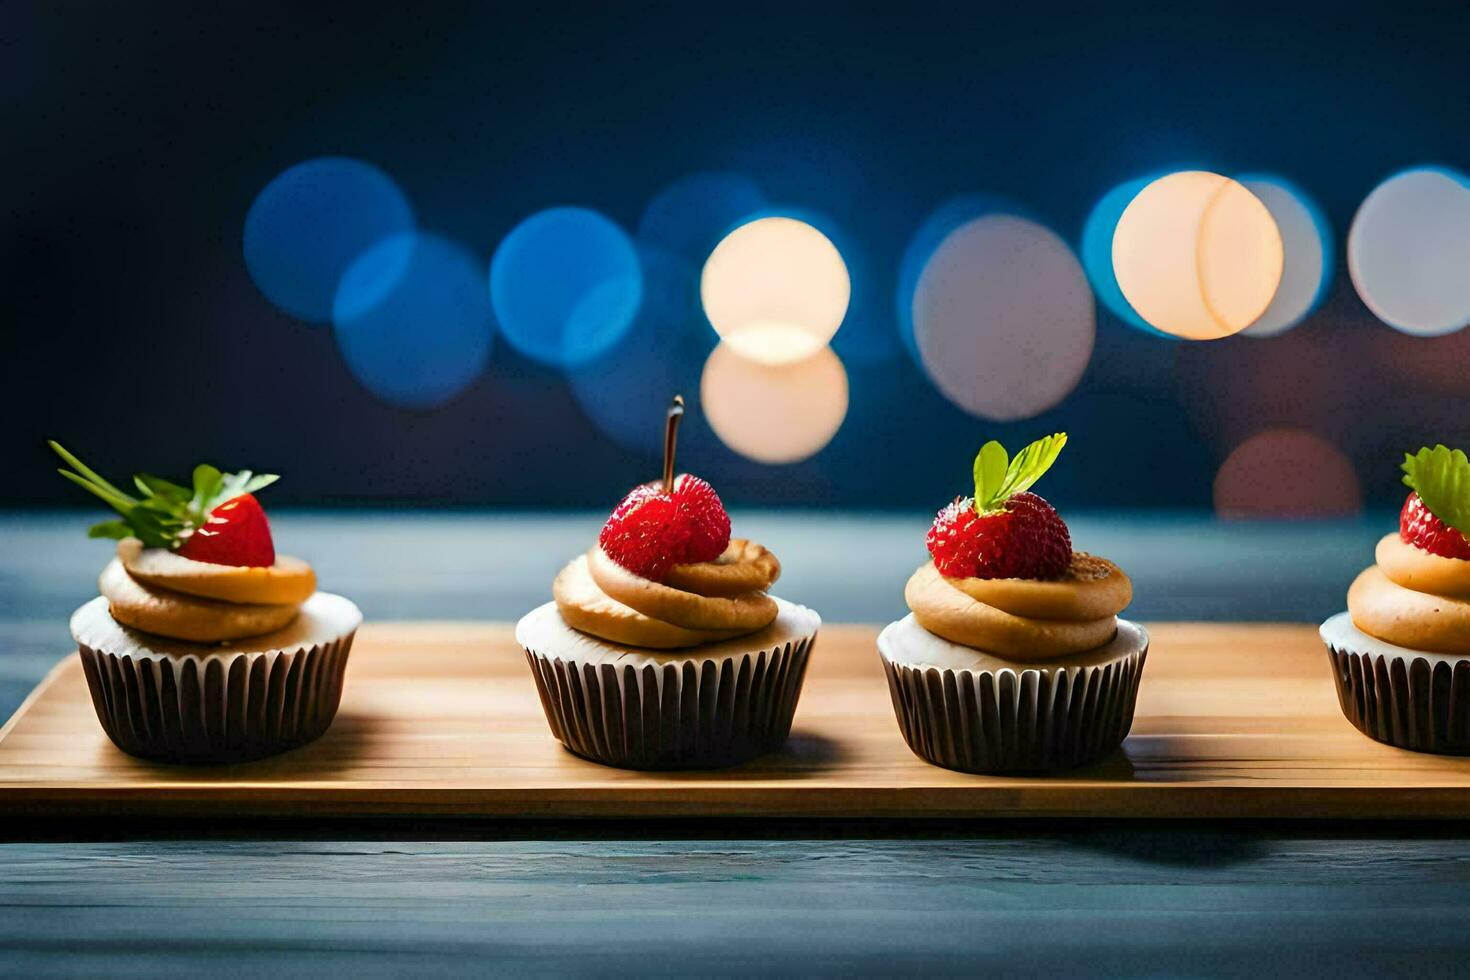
pixel 1401 653
pixel 662 647
pixel 205 645
pixel 1012 657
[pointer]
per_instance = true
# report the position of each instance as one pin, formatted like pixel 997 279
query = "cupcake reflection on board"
pixel 1401 653
pixel 205 646
pixel 662 647
pixel 1012 658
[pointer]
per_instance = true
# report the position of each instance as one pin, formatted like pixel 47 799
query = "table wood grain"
pixel 442 719
pixel 1085 902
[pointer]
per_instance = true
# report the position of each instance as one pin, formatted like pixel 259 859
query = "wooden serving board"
pixel 443 719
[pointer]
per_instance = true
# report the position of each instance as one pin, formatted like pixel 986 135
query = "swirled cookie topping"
pixel 598 596
pixel 1413 599
pixel 1024 619
pixel 161 592
pixel 180 616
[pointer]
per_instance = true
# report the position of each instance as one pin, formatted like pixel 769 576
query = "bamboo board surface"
pixel 443 719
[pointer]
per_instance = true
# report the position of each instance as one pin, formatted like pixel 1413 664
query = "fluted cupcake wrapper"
pixel 216 707
pixel 1000 721
pixel 701 713
pixel 1409 701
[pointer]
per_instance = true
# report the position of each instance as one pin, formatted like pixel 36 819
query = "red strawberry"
pixel 1420 528
pixel 1025 538
pixel 236 533
pixel 1004 531
pixel 651 530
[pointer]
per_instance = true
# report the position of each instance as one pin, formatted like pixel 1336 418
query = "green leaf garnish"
pixel 997 480
pixel 117 530
pixel 165 513
pixel 207 482
pixel 157 486
pixel 1441 478
pixel 990 471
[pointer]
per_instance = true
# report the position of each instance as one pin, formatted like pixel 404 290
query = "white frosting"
pixel 323 618
pixel 543 631
pixel 1340 634
pixel 908 644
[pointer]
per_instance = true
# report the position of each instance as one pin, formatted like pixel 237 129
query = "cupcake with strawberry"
pixel 1012 657
pixel 1401 653
pixel 662 647
pixel 205 645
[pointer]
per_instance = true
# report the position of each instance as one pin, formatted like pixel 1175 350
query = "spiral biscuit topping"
pixel 159 592
pixel 1413 599
pixel 1023 619
pixel 703 602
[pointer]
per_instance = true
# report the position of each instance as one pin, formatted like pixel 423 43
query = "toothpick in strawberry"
pixel 678 521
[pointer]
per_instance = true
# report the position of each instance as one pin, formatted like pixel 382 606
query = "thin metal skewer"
pixel 671 436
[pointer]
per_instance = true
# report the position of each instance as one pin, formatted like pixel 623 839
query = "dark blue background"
pixel 138 135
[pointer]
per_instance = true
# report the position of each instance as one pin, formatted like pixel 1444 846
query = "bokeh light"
pixel 1197 255
pixel 775 289
pixel 935 229
pixel 774 413
pixel 691 215
pixel 1096 253
pixel 1287 473
pixel 1306 242
pixel 424 338
pixel 1004 318
pixel 565 284
pixel 1409 251
pixel 625 391
pixel 313 221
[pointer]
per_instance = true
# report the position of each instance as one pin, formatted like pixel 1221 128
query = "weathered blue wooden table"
pixel 696 898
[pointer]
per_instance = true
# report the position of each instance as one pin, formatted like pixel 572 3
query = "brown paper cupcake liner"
pixel 702 713
pixel 1407 701
pixel 1002 721
pixel 216 707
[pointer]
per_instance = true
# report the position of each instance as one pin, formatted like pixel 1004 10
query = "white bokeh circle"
pixel 774 413
pixel 1004 319
pixel 1408 251
pixel 1197 255
pixel 1307 256
pixel 775 289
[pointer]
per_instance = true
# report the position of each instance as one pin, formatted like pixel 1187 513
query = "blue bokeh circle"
pixel 313 221
pixel 565 285
pixel 421 337
pixel 625 391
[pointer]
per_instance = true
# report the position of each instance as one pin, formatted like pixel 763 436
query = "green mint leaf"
pixel 156 530
pixel 1029 465
pixel 83 474
pixel 233 485
pixel 1441 478
pixel 259 482
pixel 207 483
pixel 990 474
pixel 116 530
pixel 230 484
pixel 107 493
pixel 157 486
